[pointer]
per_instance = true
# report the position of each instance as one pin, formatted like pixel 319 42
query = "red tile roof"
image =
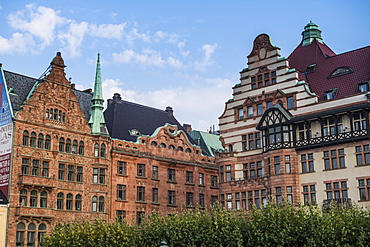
pixel 326 62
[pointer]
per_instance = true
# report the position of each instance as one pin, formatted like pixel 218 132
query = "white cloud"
pixel 206 61
pixel 40 22
pixel 109 31
pixel 73 38
pixel 134 34
pixel 18 43
pixel 174 63
pixel 147 57
pixel 199 106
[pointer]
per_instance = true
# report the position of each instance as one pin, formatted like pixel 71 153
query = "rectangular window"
pixel 201 179
pixel 141 170
pixel 61 171
pixel 102 176
pixel 201 200
pixel 290 102
pixel 363 155
pixel 244 142
pixel 95 175
pixel 45 169
pixel 189 199
pixel 214 200
pixel 35 168
pixel 71 172
pixel 25 165
pixel 121 168
pixel 269 104
pixel 171 175
pixel 334 159
pixel 336 190
pixel 121 192
pixel 171 197
pixel 259 109
pixel 141 194
pixel 228 176
pixel 120 215
pixel 154 172
pixel 309 194
pixel 250 111
pixel 277 168
pixel 240 113
pixel 155 195
pixel 214 181
pixel 79 173
pixel 189 177
pixel 364 188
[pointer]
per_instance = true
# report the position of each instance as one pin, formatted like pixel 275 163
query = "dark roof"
pixel 19 87
pixel 122 116
pixel 326 62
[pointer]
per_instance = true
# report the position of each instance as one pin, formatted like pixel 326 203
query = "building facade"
pixel 297 128
pixel 67 163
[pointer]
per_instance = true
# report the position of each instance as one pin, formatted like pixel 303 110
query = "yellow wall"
pixel 3 220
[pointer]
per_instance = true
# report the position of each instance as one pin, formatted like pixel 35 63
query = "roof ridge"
pixel 143 106
pixel 350 51
pixel 20 74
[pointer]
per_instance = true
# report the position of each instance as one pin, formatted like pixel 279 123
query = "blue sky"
pixel 184 54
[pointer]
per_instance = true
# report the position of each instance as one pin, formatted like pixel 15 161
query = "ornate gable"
pixel 53 102
pixel 261 45
pixel 274 116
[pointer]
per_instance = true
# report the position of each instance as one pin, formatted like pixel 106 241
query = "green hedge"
pixel 283 225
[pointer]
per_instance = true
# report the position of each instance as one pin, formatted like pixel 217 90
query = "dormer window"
pixel 240 113
pixel 330 94
pixel 135 132
pixel 311 68
pixel 341 71
pixel 364 86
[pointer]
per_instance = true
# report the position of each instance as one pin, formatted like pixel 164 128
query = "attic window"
pixel 364 86
pixel 341 71
pixel 311 68
pixel 11 91
pixel 330 94
pixel 135 132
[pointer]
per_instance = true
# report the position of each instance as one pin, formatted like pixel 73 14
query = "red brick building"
pixel 67 163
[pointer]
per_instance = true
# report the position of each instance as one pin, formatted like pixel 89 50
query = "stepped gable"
pixel 122 117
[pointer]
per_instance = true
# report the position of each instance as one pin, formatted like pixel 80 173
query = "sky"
pixel 183 54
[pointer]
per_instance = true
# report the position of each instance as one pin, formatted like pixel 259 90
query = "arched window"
pixel 78 202
pixel 96 150
pixel 31 234
pixel 33 139
pixel 47 114
pixel 74 147
pixel 231 148
pixel 20 234
pixel 60 199
pixel 23 197
pixel 47 142
pixel 94 203
pixel 180 149
pixel 43 199
pixel 102 150
pixel 188 150
pixel 69 201
pixel 41 234
pixel 33 198
pixel 162 145
pixel 68 145
pixel 40 141
pixel 61 144
pixel 154 143
pixel 55 114
pixel 172 147
pixel 81 148
pixel 101 203
pixel 64 117
pixel 25 138
pixel 341 71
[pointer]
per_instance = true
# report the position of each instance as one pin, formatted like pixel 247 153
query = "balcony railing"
pixel 341 137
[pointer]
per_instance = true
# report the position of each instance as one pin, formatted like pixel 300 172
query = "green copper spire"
pixel 97 122
pixel 311 32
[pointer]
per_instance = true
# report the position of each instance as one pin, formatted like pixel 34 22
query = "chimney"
pixel 187 128
pixel 169 111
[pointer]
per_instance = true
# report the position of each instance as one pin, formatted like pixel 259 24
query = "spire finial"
pixel 97 122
